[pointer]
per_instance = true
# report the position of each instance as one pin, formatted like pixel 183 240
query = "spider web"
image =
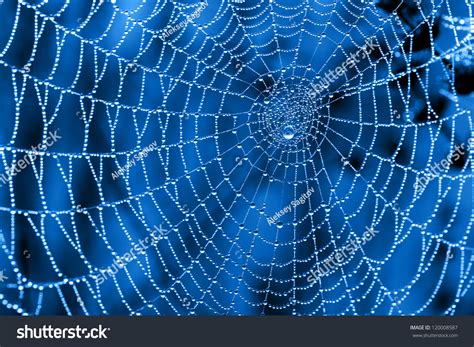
pixel 238 138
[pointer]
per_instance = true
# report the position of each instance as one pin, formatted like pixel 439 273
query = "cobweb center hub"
pixel 288 114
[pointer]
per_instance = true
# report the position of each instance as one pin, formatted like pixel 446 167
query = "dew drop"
pixel 288 132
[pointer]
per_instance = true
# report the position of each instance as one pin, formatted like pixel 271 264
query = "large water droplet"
pixel 288 132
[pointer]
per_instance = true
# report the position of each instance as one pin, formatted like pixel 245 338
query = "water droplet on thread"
pixel 288 132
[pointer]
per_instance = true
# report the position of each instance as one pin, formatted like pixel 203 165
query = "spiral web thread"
pixel 225 97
